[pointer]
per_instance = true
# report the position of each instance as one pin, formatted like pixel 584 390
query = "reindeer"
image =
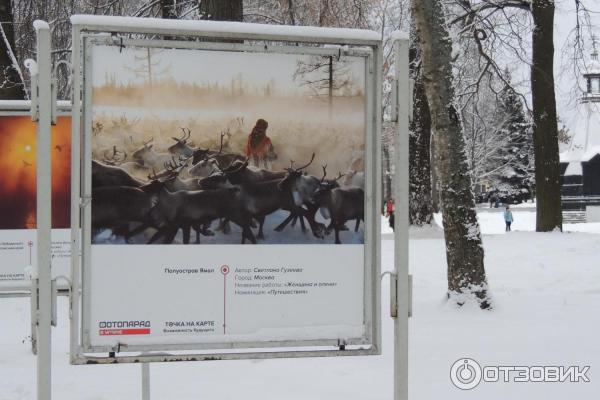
pixel 219 156
pixel 240 172
pixel 147 157
pixel 339 205
pixel 181 147
pixel 204 168
pixel 354 178
pixel 117 157
pixel 173 182
pixel 108 175
pixel 263 198
pixel 184 209
pixel 301 186
pixel 115 207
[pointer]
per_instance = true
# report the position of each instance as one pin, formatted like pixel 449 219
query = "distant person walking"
pixel 389 207
pixel 508 218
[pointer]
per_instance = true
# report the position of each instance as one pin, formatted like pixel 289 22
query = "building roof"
pixel 585 143
pixel 574 169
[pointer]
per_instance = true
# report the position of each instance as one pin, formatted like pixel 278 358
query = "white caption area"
pixel 180 294
pixel 18 252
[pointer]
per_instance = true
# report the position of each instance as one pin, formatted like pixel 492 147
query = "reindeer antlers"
pixel 310 162
pixel 324 172
pixel 221 146
pixel 186 135
pixel 291 169
pixel 340 175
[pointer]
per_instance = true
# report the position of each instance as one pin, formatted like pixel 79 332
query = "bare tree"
pixel 11 81
pixel 477 17
pixel 464 250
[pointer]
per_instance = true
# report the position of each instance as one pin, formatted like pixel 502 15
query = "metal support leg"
pixel 43 214
pixel 145 381
pixel 33 300
pixel 401 115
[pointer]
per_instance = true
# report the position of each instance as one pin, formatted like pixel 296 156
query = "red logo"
pixel 117 332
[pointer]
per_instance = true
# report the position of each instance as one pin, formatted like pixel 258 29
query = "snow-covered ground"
pixel 546 289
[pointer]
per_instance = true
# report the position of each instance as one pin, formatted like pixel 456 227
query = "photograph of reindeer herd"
pixel 221 147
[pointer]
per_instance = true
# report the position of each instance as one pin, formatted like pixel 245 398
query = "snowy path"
pixel 546 290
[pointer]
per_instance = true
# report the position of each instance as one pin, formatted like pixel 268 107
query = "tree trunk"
pixel 435 182
pixel 386 170
pixel 167 9
pixel 464 250
pixel 292 12
pixel 420 205
pixel 545 130
pixel 11 85
pixel 221 10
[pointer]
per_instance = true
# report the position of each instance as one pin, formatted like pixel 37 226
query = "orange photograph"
pixel 18 165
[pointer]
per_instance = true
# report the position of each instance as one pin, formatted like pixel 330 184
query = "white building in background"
pixel 580 163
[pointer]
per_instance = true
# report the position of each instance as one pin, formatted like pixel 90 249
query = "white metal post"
pixel 401 220
pixel 43 214
pixel 33 300
pixel 75 196
pixel 145 381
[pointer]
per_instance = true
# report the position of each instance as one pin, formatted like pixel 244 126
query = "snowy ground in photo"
pixel 290 235
pixel 546 291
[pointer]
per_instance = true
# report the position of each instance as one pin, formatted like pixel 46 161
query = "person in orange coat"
pixel 259 145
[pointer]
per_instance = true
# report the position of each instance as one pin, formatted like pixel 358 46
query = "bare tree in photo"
pixel 147 66
pixel 464 250
pixel 324 76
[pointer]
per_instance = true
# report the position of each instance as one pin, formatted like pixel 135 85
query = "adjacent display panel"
pixel 227 199
pixel 18 199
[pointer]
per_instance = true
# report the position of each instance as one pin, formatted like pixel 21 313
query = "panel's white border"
pixel 81 31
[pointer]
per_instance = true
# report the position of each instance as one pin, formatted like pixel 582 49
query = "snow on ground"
pixel 546 290
pixel 491 220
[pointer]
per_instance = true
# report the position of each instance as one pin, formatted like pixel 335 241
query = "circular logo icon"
pixel 225 269
pixel 465 374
